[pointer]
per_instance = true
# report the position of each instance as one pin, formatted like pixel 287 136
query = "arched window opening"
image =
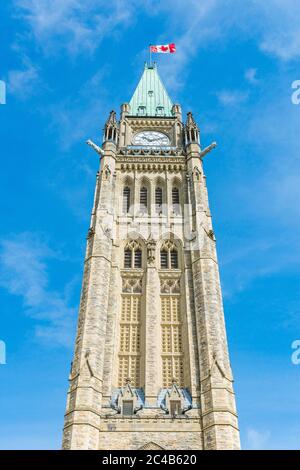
pixel 158 199
pixel 132 256
pixel 164 259
pixel 138 258
pixel 169 256
pixel 126 200
pixel 174 259
pixel 127 258
pixel 144 199
pixel 175 196
pixel 176 200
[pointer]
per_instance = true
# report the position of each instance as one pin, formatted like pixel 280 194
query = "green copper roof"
pixel 150 97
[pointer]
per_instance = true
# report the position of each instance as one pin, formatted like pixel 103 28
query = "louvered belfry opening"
pixel 158 199
pixel 126 200
pixel 144 199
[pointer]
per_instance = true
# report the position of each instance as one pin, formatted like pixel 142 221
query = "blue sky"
pixel 66 64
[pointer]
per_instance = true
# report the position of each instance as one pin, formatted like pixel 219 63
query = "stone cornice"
pixel 151 152
pixel 141 122
pixel 146 163
pixel 132 273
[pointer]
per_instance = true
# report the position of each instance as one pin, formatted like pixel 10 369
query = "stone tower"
pixel 151 368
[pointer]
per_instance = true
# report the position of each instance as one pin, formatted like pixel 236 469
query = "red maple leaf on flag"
pixel 163 48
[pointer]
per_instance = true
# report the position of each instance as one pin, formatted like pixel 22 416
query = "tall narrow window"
pixel 176 200
pixel 127 258
pixel 158 199
pixel 126 200
pixel 175 196
pixel 138 259
pixel 174 259
pixel 144 199
pixel 164 259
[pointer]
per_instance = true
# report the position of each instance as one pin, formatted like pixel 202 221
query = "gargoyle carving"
pixel 208 149
pixel 95 147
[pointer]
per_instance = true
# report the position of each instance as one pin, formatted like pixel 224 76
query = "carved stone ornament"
pixel 151 246
pixel 211 235
pixel 132 285
pixel 126 393
pixel 91 232
pixel 170 286
pixel 107 172
pixel 196 173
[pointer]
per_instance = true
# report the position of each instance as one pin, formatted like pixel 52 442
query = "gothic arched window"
pixel 158 199
pixel 164 259
pixel 176 200
pixel 132 256
pixel 138 258
pixel 168 256
pixel 126 200
pixel 144 199
pixel 175 196
pixel 127 258
pixel 174 259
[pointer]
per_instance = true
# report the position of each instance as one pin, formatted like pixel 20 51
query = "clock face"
pixel 151 138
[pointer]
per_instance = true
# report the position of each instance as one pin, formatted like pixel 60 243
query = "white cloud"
pixel 279 27
pixel 75 25
pixel 193 25
pixel 251 76
pixel 257 258
pixel 78 118
pixel 257 440
pixel 231 97
pixel 22 82
pixel 24 272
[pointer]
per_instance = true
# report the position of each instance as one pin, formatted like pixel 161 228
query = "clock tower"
pixel 151 368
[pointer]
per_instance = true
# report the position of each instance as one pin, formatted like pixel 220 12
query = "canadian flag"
pixel 164 49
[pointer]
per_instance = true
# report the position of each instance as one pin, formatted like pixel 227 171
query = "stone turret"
pixel 192 133
pixel 111 129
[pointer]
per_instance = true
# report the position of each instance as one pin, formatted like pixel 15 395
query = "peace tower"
pixel 151 367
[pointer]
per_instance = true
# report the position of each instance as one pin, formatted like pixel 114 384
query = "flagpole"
pixel 149 55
